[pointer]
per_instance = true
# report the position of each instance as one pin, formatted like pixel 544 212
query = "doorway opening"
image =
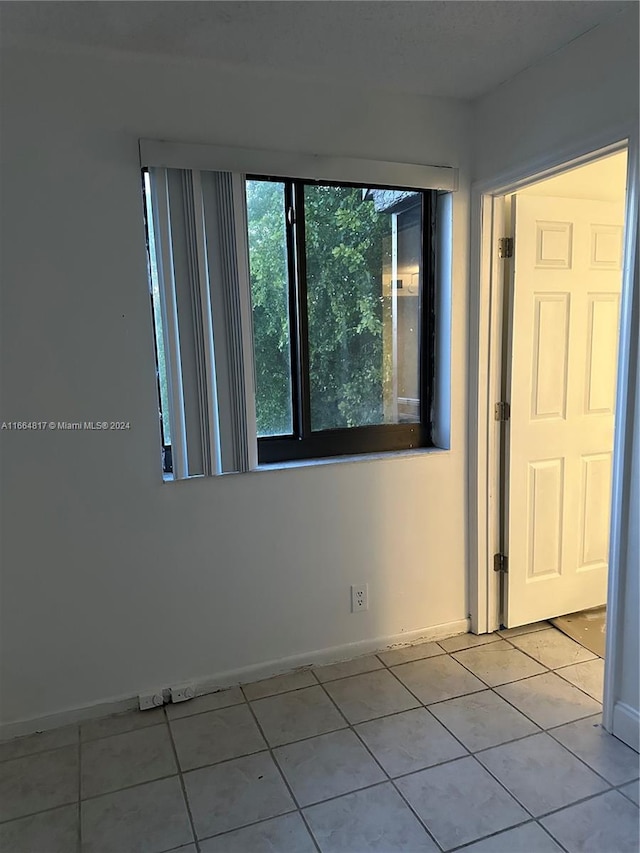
pixel 561 282
pixel 581 178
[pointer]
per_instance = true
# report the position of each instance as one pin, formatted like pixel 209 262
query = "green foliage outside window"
pixel 347 245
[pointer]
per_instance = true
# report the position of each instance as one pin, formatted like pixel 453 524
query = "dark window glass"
pixel 342 317
pixel 270 301
pixel 363 275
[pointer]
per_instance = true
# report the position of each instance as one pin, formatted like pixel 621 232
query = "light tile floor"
pixel 482 744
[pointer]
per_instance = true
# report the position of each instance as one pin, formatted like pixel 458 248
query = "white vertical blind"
pixel 226 222
pixel 169 318
pixel 200 227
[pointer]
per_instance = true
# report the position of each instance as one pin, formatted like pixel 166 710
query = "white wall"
pixel 114 582
pixel 587 87
pixel 578 94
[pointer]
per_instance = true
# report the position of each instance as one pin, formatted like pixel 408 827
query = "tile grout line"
pixel 281 772
pixel 42 811
pixel 473 754
pixel 35 752
pixel 349 726
pixel 557 841
pixel 540 817
pixel 352 727
pixel 619 788
pixel 581 760
pixel 338 796
pixel 468 844
pixel 555 669
pixel 469 752
pixel 81 741
pixel 294 811
pixel 525 737
pixel 182 783
pixel 518 681
pixel 541 729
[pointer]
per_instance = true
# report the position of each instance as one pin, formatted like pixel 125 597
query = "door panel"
pixel 566 289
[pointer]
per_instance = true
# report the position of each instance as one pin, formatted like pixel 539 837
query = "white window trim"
pixel 257 161
pixel 160 156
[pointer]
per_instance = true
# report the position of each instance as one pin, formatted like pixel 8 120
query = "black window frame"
pixel 304 443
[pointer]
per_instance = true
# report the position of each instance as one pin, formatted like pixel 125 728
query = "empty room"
pixel 320 426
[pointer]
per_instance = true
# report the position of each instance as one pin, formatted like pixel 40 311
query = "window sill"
pixel 358 457
pixel 315 463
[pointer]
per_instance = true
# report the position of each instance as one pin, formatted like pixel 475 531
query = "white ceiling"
pixel 458 48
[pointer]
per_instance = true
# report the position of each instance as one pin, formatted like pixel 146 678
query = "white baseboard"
pixel 245 675
pixel 626 724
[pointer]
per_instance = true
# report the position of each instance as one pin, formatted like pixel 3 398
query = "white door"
pixel 565 311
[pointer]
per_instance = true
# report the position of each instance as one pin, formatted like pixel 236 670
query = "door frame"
pixel 485 351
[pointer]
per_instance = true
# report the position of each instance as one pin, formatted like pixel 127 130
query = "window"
pixel 294 318
pixel 156 310
pixel 342 318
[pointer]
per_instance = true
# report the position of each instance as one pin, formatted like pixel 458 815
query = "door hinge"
pixel 500 563
pixel 505 247
pixel 502 412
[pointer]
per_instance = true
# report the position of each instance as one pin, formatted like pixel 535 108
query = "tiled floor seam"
pixel 552 811
pixel 502 785
pixel 520 711
pixel 553 669
pixel 576 803
pixel 491 686
pixel 42 811
pixel 415 814
pixel 388 776
pixel 262 820
pixel 538 818
pixel 581 760
pixel 487 686
pixel 125 732
pixel 132 787
pixel 284 779
pixel 550 733
pixel 391 779
pixel 270 695
pixel 35 752
pixel 350 727
pixel 549 730
pixel 469 752
pixel 469 844
pixel 182 785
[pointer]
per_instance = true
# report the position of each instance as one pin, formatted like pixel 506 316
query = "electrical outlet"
pixel 151 700
pixel 182 694
pixel 359 597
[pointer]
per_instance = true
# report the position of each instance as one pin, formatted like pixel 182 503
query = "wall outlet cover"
pixel 182 694
pixel 151 700
pixel 359 597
